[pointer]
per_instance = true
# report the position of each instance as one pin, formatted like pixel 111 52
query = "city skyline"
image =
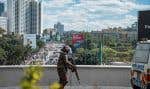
pixel 91 15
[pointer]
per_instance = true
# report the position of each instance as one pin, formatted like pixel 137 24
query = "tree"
pixel 88 40
pixel 12 51
pixel 40 43
pixel 2 56
pixel 80 50
pixel 2 30
pixel 45 31
pixel 92 46
pixel 109 54
pixel 125 56
pixel 94 51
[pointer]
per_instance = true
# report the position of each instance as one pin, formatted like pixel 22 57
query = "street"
pixel 48 55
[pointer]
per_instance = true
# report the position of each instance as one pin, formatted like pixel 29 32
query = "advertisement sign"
pixel 30 39
pixel 144 25
pixel 77 40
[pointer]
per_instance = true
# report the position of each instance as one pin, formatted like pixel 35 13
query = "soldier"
pixel 62 67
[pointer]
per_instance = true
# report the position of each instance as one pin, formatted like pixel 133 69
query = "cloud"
pixel 91 14
pixel 48 20
pixel 55 3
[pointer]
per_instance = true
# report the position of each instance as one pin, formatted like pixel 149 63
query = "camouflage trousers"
pixel 62 76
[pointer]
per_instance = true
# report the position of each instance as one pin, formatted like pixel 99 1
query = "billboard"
pixel 144 25
pixel 29 39
pixel 77 40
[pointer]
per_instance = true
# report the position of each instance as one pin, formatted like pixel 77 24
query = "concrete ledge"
pixel 86 66
pixel 77 87
pixel 102 75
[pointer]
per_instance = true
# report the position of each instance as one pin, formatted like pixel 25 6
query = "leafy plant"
pixel 55 85
pixel 32 75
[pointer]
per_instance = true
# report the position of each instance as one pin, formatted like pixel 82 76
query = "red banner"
pixel 77 38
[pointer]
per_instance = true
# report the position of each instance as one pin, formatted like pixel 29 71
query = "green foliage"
pixel 40 43
pixel 87 35
pixel 32 75
pixel 93 45
pixel 2 30
pixel 94 51
pixel 55 85
pixel 15 52
pixel 114 48
pixel 113 55
pixel 125 56
pixel 108 54
pixel 80 50
pixel 45 32
pixel 2 55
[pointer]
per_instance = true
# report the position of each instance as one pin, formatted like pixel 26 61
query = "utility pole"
pixel 100 49
pixel 86 48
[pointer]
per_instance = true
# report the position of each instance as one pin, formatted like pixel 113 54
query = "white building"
pixel 30 39
pixel 3 23
pixel 24 16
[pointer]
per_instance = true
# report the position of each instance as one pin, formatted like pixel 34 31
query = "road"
pixel 47 54
pixel 52 53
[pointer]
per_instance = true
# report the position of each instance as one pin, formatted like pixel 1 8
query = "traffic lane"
pixel 53 55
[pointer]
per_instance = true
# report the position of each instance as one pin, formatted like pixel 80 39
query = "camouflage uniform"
pixel 63 65
pixel 62 69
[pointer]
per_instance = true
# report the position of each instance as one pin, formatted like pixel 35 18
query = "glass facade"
pixel 1 8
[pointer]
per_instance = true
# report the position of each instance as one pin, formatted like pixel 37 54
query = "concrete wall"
pixel 89 75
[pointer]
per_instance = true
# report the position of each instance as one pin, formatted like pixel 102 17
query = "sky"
pixel 91 15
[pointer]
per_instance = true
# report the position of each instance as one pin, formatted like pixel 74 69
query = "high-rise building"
pixel 39 17
pixel 3 23
pixel 24 16
pixel 59 27
pixel 1 8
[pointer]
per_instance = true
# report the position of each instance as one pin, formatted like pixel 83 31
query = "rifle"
pixel 77 75
pixel 73 68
